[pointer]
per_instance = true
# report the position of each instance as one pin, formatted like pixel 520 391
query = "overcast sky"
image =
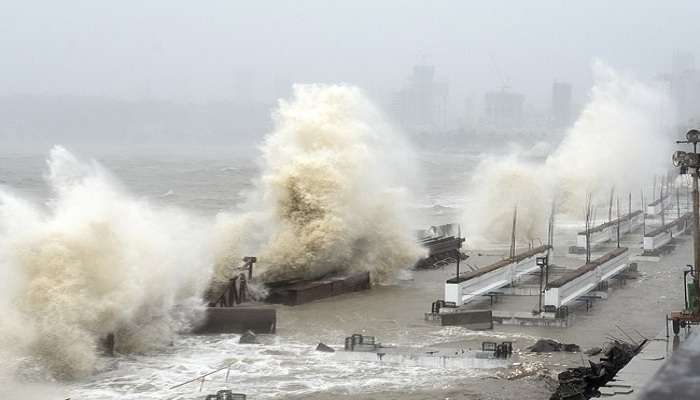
pixel 212 50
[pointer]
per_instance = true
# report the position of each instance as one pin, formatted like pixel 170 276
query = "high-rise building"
pixel 422 104
pixel 562 114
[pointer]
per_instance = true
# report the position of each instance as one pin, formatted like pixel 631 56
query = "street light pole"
pixel 696 238
pixel 690 162
pixel 543 263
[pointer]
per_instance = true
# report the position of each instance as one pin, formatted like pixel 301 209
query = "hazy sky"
pixel 202 50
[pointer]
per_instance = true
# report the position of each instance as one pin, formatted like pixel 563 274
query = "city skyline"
pixel 172 50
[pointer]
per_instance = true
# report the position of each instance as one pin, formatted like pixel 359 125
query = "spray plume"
pixel 328 199
pixel 618 140
pixel 95 261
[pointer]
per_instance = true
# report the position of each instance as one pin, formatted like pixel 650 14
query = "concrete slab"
pixel 525 318
pixel 678 378
pixel 471 319
pixel 259 319
pixel 645 258
pixel 301 292
pixel 645 371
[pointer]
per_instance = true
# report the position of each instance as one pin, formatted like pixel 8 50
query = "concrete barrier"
pixel 584 279
pixel 472 319
pixel 661 204
pixel 262 319
pixel 301 292
pixel 608 231
pixel 655 239
pixel 465 288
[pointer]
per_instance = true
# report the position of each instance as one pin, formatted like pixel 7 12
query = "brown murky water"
pixel 286 366
pixel 395 314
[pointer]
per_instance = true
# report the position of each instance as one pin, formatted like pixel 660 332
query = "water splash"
pixel 95 261
pixel 329 198
pixel 620 139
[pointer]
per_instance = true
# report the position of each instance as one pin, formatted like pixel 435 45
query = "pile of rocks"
pixel 549 346
pixel 583 382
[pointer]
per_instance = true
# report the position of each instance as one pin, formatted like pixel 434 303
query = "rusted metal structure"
pixel 358 342
pixel 228 311
pixel 502 350
pixel 236 291
pixel 226 395
pixel 443 244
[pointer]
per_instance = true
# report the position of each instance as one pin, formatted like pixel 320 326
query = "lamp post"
pixel 543 263
pixel 690 163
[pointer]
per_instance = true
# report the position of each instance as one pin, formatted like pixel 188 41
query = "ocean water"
pixel 207 182
pixel 285 365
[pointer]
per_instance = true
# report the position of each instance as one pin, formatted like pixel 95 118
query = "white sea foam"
pixel 95 261
pixel 280 367
pixel 329 198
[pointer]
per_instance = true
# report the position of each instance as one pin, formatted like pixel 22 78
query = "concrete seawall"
pixel 259 319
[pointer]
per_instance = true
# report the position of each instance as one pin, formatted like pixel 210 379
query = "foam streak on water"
pixel 277 368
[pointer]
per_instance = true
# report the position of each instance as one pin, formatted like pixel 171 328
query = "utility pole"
pixel 690 163
pixel 512 235
pixel 543 263
pixel 696 232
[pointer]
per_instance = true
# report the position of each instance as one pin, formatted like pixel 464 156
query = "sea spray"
pixel 95 261
pixel 620 139
pixel 331 196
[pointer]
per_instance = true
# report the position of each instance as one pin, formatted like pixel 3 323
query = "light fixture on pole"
pixel 689 163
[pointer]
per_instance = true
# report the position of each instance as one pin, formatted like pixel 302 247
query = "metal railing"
pixel 203 378
pixel 236 291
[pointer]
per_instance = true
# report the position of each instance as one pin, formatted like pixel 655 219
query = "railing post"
pixel 231 292
pixel 242 289
pixel 234 293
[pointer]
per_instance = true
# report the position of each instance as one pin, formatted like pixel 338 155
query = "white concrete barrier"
pixel 465 288
pixel 660 205
pixel 630 222
pixel 660 236
pixel 582 280
pixel 597 235
pixel 608 231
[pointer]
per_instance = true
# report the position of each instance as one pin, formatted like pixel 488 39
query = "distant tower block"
pixel 561 105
